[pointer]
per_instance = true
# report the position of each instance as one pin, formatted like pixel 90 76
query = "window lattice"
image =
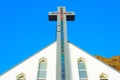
pixel 42 70
pixel 82 70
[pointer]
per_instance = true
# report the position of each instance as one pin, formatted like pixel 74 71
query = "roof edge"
pixel 96 58
pixel 26 59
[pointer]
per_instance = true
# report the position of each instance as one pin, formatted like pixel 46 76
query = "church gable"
pixel 61 60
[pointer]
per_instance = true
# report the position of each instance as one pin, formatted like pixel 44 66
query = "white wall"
pixel 93 65
pixel 30 66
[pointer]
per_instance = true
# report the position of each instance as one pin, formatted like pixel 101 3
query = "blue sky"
pixel 25 29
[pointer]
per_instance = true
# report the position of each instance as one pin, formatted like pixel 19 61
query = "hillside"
pixel 114 61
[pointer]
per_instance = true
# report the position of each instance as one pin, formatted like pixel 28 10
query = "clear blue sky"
pixel 25 29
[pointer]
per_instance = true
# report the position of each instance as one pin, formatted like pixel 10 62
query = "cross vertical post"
pixel 63 65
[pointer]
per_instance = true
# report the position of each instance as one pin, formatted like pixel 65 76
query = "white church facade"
pixel 61 60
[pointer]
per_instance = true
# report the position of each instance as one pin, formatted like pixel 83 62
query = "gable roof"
pixel 73 48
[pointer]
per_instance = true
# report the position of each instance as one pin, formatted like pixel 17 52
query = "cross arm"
pixel 70 16
pixel 52 16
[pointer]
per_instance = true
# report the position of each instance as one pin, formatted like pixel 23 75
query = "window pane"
pixel 83 74
pixel 42 74
pixel 43 66
pixel 63 75
pixel 63 69
pixel 63 78
pixel 81 66
pixel 62 59
pixel 63 64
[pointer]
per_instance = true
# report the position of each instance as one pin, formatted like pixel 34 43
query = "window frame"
pixel 81 61
pixel 42 60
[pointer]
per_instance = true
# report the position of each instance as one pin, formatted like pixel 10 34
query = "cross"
pixel 62 70
pixel 61 11
pixel 61 17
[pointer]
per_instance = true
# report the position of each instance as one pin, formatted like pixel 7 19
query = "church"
pixel 61 60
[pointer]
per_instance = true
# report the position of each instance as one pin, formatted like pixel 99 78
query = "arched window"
pixel 82 69
pixel 103 76
pixel 42 69
pixel 21 77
